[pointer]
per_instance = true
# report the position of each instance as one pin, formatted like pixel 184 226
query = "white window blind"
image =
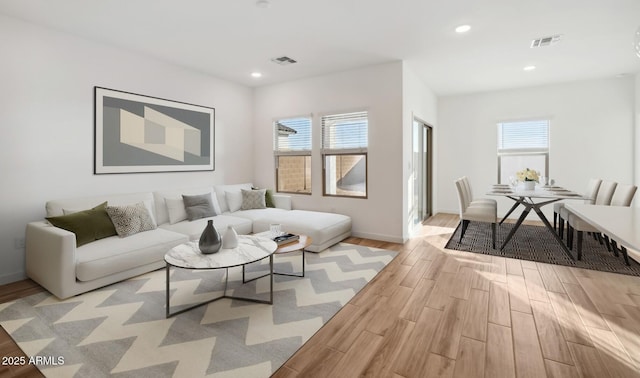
pixel 345 133
pixel 292 136
pixel 523 135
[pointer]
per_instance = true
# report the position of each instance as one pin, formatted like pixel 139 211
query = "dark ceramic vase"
pixel 210 240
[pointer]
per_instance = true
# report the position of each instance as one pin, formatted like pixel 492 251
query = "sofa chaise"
pixel 55 262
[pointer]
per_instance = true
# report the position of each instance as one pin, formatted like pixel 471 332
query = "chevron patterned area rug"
pixel 121 330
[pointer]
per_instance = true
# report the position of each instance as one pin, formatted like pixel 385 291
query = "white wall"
pixel 591 134
pixel 377 89
pixel 418 102
pixel 46 115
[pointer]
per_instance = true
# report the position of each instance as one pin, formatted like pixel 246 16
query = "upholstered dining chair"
pixel 592 192
pixel 485 212
pixel 623 195
pixel 603 197
pixel 478 201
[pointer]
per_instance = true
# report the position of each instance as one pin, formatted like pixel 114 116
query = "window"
pixel 522 144
pixel 344 154
pixel 292 150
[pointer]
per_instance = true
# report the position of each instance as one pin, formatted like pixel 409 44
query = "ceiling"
pixel 232 38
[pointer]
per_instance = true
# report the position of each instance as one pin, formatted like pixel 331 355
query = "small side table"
pixel 297 245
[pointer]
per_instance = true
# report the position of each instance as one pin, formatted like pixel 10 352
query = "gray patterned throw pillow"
pixel 253 199
pixel 131 219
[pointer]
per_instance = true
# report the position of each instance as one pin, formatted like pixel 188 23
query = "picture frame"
pixel 135 133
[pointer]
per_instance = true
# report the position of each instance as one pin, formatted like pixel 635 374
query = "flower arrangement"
pixel 528 175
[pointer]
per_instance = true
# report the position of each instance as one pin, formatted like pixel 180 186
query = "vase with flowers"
pixel 528 177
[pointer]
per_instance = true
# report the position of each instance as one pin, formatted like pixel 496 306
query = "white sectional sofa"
pixel 54 261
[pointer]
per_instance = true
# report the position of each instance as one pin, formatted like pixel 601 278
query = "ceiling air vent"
pixel 545 41
pixel 283 60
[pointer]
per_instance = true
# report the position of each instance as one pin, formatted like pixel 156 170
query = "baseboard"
pixel 634 255
pixel 380 237
pixel 12 277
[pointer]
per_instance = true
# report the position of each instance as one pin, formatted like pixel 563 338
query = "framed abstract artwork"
pixel 136 133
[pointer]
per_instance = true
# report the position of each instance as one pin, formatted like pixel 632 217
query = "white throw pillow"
pixel 176 210
pixel 234 200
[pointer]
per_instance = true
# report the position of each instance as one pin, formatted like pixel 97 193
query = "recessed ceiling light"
pixel 263 4
pixel 529 68
pixel 463 28
pixel 256 74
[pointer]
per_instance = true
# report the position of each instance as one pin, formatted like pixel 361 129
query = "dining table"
pixel 620 223
pixel 533 199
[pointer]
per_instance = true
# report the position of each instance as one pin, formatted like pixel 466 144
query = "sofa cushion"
pixel 114 255
pixel 253 199
pixel 321 227
pixel 199 206
pixel 254 214
pixel 131 219
pixel 57 207
pixel 88 225
pixel 194 229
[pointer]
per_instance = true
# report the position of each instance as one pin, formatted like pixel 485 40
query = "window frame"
pixel 366 174
pixel 536 151
pixel 326 151
pixel 305 153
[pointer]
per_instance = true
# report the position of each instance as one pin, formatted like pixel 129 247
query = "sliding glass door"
pixel 421 175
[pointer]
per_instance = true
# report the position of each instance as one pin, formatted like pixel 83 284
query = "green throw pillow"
pixel 268 197
pixel 88 225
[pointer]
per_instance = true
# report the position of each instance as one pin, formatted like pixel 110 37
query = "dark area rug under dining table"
pixel 536 243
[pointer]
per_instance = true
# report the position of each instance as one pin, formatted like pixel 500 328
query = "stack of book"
pixel 286 238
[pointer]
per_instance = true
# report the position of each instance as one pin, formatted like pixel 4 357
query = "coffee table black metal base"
pixel 226 281
pixel 244 280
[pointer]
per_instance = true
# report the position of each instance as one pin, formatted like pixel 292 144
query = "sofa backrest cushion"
pixel 162 214
pixel 56 208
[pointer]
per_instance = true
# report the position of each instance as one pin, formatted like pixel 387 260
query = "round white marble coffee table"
pixel 250 249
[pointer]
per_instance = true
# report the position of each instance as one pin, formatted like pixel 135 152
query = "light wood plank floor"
pixel 441 313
